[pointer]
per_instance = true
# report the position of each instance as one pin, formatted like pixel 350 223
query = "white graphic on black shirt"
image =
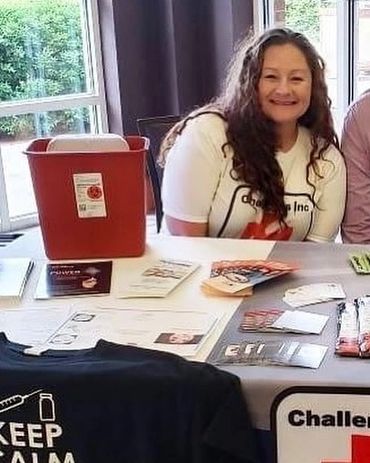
pixel 15 401
pixel 32 440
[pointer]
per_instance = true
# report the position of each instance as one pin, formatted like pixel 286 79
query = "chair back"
pixel 155 128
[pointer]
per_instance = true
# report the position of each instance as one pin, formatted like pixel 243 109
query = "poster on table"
pixel 322 425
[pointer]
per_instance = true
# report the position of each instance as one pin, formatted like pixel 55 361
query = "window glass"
pixel 362 55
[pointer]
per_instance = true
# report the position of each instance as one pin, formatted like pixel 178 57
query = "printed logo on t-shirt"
pixel 22 441
pixel 246 218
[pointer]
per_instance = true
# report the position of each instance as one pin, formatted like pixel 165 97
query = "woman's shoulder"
pixel 207 121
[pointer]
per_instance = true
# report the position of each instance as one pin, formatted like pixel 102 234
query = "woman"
pixel 262 160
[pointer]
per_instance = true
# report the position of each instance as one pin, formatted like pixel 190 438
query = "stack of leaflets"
pixel 14 273
pixel 361 263
pixel 158 280
pixel 353 328
pixel 277 320
pixel 267 353
pixel 237 277
pixel 74 279
pixel 313 294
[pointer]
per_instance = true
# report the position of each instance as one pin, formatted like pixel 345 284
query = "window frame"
pixel 95 97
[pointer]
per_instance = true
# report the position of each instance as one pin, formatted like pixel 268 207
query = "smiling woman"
pixel 262 160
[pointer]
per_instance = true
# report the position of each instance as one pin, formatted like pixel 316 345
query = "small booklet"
pixel 278 320
pixel 74 279
pixel 313 294
pixel 237 277
pixel 14 273
pixel 268 353
pixel 162 277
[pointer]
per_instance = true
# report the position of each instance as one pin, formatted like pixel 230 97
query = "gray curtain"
pixel 166 56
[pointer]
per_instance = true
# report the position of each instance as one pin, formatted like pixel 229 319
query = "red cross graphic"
pixel 360 450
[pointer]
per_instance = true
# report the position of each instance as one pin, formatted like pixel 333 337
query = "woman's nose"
pixel 282 87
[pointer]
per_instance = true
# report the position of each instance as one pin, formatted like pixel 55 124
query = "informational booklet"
pixel 237 277
pixel 275 320
pixel 74 279
pixel 14 273
pixel 268 353
pixel 179 332
pixel 347 342
pixel 158 280
pixel 313 294
pixel 31 326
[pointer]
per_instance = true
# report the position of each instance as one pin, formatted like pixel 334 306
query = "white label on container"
pixel 89 195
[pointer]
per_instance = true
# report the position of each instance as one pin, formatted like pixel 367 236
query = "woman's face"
pixel 284 88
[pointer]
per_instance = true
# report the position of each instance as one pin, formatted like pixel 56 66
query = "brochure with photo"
pixel 158 280
pixel 179 332
pixel 237 277
pixel 14 273
pixel 74 279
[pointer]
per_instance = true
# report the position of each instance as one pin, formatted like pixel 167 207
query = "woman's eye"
pixel 297 79
pixel 270 76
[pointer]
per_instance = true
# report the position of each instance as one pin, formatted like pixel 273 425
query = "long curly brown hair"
pixel 250 133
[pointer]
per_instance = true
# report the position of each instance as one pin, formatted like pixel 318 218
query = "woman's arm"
pixel 191 176
pixel 183 228
pixel 331 198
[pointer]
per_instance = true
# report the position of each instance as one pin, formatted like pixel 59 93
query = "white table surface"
pixel 188 296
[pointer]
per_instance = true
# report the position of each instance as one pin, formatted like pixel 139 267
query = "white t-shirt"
pixel 198 187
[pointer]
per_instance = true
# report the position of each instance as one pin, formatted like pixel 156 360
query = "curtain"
pixel 164 57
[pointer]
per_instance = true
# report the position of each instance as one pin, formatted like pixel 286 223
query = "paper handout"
pixel 237 277
pixel 158 280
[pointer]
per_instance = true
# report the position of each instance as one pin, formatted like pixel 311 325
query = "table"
pixel 187 297
pixel 318 263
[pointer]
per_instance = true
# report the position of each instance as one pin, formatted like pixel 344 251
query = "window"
pixel 51 82
pixel 340 31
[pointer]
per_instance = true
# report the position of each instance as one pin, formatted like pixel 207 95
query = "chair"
pixel 155 128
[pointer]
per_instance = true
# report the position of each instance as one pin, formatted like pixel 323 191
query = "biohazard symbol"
pixel 94 192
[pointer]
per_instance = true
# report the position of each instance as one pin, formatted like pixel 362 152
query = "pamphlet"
pixel 74 279
pixel 179 332
pixel 278 320
pixel 353 328
pixel 31 326
pixel 313 294
pixel 268 353
pixel 14 273
pixel 162 277
pixel 237 277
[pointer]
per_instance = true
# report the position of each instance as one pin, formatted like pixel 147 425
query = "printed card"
pixel 159 279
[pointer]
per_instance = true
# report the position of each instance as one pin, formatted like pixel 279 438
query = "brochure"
pixel 278 320
pixel 268 353
pixel 158 280
pixel 179 332
pixel 237 277
pixel 74 279
pixel 14 273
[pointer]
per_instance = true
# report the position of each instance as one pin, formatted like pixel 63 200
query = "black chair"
pixel 155 128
